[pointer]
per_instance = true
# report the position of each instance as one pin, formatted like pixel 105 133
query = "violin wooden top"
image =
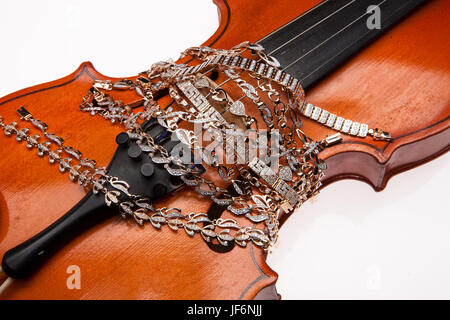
pixel 400 83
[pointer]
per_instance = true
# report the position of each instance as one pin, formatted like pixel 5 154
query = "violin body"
pixel 397 83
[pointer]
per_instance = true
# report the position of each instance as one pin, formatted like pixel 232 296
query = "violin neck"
pixel 316 42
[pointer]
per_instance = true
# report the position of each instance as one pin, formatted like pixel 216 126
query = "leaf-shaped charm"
pixel 222 170
pixel 239 211
pixel 119 185
pixel 143 202
pixel 43 148
pixel 156 220
pixel 237 188
pixel 174 171
pixel 141 213
pixel 39 124
pixel 207 233
pixel 22 134
pixel 139 221
pixel 237 108
pixel 54 156
pixel 199 218
pixel 285 173
pixel 162 122
pixel 97 186
pixel 88 163
pixel 224 237
pixel 260 201
pixel 258 237
pixel 249 90
pixel 53 137
pixel 139 91
pixel 134 135
pixel 227 223
pixel 184 136
pixel 242 237
pixel 73 152
pixel 145 148
pixel 111 197
pixel 192 226
pixel 73 173
pixel 64 164
pixel 32 141
pixel 125 208
pixel 222 202
pixel 206 189
pixel 173 213
pixel 189 231
pixel 190 182
pixel 157 159
pixel 257 218
pixel 174 223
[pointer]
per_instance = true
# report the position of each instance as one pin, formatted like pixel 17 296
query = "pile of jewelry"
pixel 261 186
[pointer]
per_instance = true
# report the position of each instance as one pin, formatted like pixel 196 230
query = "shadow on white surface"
pixel 355 243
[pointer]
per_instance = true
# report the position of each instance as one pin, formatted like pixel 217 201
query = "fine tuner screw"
pixel 134 152
pixel 147 170
pixel 122 139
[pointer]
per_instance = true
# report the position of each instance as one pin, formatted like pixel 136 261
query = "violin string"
pixel 315 25
pixel 297 18
pixel 328 60
pixel 328 39
pixel 284 26
pixel 303 32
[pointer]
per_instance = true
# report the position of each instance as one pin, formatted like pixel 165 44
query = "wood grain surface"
pixel 399 83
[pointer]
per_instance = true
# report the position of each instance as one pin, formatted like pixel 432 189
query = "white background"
pixel 350 243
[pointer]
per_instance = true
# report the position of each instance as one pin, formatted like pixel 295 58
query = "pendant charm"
pixel 237 108
pixel 285 173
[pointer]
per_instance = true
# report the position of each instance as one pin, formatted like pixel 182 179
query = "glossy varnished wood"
pixel 400 83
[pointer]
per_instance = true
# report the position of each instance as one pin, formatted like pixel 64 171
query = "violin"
pixel 379 76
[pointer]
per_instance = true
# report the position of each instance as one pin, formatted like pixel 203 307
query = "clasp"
pixel 331 140
pixel 380 135
pixel 24 113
